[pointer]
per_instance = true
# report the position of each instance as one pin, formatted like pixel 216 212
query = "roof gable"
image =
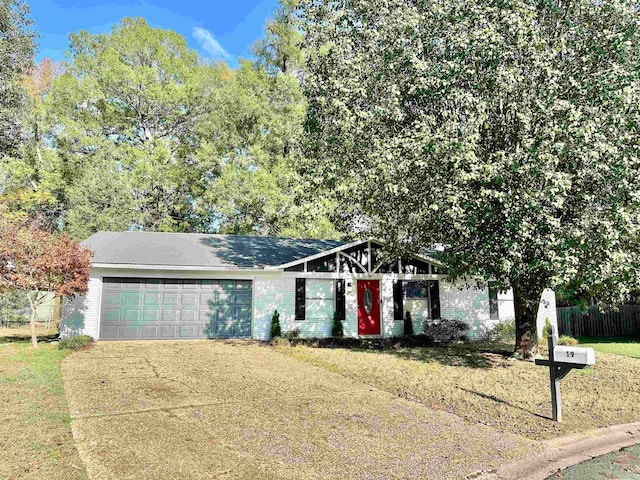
pixel 362 258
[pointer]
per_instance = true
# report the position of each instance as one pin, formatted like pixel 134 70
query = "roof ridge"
pixel 225 235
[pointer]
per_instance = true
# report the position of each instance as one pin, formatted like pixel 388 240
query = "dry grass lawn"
pixel 482 384
pixel 215 409
pixel 35 427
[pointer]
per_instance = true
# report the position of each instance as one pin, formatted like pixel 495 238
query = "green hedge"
pixel 77 342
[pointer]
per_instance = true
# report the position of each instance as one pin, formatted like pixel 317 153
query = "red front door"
pixel 368 307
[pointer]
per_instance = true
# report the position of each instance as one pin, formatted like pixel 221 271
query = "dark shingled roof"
pixel 200 250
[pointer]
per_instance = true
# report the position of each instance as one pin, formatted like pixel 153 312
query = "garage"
pixel 166 308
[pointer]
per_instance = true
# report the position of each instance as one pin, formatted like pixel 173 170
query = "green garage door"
pixel 153 308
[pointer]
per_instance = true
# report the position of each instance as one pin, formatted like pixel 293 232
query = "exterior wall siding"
pixel 350 325
pixel 389 327
pixel 419 309
pixel 81 315
pixel 471 305
pixel 506 310
pixel 275 290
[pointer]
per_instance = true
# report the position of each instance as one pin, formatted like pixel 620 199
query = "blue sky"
pixel 218 29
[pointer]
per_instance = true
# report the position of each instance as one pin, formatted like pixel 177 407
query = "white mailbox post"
pixel 561 361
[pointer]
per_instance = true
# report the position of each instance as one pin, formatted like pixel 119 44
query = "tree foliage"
pixel 136 131
pixel 35 261
pixel 16 56
pixel 259 190
pixel 134 97
pixel 505 131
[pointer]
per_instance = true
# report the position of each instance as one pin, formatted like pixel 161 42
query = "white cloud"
pixel 209 44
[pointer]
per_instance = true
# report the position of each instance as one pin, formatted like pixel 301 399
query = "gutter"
pixel 196 268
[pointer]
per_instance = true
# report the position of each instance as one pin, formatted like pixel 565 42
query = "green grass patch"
pixel 35 418
pixel 627 347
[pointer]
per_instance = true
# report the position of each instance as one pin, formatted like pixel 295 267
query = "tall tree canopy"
pixel 131 101
pixel 259 190
pixel 16 56
pixel 506 132
pixel 136 131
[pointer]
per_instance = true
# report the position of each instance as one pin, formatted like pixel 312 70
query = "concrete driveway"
pixel 216 409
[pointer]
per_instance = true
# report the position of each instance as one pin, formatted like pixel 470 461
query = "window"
pixel 398 300
pixel 340 300
pixel 300 298
pixel 421 298
pixel 323 264
pixel 319 300
pixel 367 299
pixel 493 302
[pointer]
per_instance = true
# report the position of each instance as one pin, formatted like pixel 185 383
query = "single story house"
pixel 180 285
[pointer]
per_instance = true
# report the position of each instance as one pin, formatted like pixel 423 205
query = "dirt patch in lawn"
pixel 35 426
pixel 240 410
pixel 490 388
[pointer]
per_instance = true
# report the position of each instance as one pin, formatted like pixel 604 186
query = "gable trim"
pixel 346 246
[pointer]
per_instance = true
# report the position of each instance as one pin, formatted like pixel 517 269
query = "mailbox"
pixel 575 355
pixel 561 361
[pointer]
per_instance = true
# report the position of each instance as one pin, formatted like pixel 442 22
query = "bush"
pixel 503 331
pixel 77 342
pixel 408 325
pixel 336 328
pixel 445 330
pixel 567 341
pixel 276 331
pixel 293 333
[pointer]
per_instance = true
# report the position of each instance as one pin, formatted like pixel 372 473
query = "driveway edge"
pixel 569 450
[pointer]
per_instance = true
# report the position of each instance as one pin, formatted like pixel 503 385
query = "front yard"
pixel 242 409
pixel 35 426
pixel 482 384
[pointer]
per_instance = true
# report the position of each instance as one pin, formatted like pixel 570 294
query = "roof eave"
pixel 197 268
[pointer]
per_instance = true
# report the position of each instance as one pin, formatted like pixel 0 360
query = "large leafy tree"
pixel 259 190
pixel 131 101
pixel 506 132
pixel 34 261
pixel 16 56
pixel 34 180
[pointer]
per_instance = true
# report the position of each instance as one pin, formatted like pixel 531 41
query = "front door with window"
pixel 368 307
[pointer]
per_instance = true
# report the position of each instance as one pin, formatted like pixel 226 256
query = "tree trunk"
pixel 525 304
pixel 32 322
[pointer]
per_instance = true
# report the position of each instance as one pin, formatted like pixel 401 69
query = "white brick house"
pixel 171 285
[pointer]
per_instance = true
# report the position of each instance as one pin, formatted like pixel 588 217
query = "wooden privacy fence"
pixel 595 323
